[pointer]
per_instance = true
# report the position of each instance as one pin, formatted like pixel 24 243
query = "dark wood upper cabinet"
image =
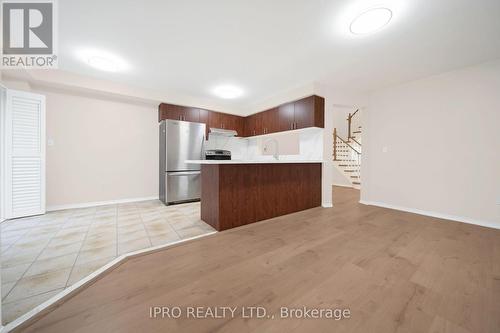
pixel 303 113
pixel 249 126
pixel 286 113
pixel 178 112
pixel 190 114
pixel 214 120
pixel 270 121
pixel 204 119
pixel 235 123
pixel 253 125
pixel 169 111
pixel 310 112
pixel 226 121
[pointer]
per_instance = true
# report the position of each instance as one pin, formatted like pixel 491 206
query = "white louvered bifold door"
pixel 25 154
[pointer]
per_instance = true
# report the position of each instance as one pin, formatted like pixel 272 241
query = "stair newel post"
pixel 335 144
pixel 349 126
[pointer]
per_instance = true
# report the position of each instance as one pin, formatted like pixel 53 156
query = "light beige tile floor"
pixel 43 255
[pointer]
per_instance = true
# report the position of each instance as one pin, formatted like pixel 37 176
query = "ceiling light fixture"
pixel 102 63
pixel 370 21
pixel 228 92
pixel 102 60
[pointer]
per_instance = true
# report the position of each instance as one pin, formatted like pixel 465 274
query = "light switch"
pixel 50 142
pixel 385 149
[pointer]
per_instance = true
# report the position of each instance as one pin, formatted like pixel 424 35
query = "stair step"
pixel 354 176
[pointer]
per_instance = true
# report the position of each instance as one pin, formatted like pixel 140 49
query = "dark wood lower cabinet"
pixel 233 195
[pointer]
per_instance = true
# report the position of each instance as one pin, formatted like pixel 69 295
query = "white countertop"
pixel 251 161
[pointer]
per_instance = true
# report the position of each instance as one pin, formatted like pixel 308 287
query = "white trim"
pixel 86 280
pixel 343 185
pixel 433 214
pixel 98 203
pixel 327 205
pixel 3 111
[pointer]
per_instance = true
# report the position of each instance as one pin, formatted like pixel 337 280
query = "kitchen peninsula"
pixel 235 193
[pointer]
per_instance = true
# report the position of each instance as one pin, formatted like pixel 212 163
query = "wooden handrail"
pixel 359 143
pixel 348 145
pixel 349 119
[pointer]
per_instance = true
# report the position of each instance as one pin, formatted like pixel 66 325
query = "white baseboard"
pixel 326 205
pixel 433 214
pixel 343 185
pixel 98 203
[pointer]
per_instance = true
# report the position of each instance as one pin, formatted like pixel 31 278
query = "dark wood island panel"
pixel 233 195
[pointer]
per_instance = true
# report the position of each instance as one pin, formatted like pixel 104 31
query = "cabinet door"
pixel 174 112
pixel 253 125
pixel 169 111
pixel 270 121
pixel 162 112
pixel 319 112
pixel 286 116
pixel 214 120
pixel 232 122
pixel 259 124
pixel 239 125
pixel 249 126
pixel 191 114
pixel 204 116
pixel 304 113
pixel 204 119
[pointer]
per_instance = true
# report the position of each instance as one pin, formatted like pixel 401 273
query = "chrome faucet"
pixel 276 147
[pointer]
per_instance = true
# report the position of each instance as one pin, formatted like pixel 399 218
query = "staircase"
pixel 347 154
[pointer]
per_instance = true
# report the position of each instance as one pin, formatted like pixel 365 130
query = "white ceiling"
pixel 270 46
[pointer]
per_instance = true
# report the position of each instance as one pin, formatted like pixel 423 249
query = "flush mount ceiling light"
pixel 227 91
pixel 101 63
pixel 370 21
pixel 102 60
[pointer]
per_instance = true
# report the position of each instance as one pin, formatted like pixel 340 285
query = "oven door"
pixel 183 186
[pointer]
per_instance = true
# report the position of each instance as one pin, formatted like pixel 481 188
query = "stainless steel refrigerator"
pixel 180 141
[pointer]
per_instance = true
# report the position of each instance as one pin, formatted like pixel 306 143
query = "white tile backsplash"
pixel 305 144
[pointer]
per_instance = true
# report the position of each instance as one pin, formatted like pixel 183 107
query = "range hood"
pixel 223 132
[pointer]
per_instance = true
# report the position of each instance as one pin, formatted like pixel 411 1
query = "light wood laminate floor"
pixel 395 271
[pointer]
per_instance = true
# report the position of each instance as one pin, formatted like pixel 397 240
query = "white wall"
pixel 102 150
pixel 442 136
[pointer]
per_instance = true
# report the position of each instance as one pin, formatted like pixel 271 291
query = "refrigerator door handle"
pixel 183 173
